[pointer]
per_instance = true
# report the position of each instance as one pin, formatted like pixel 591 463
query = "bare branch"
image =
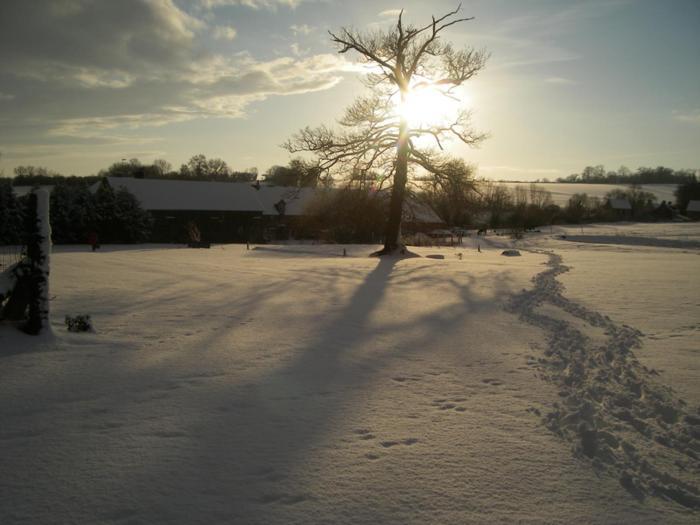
pixel 375 142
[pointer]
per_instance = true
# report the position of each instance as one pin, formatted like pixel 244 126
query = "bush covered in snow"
pixel 79 323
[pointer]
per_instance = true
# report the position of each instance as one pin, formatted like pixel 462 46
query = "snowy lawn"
pixel 288 384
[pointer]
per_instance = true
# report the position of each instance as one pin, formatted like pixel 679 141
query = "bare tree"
pixel 162 166
pixel 376 135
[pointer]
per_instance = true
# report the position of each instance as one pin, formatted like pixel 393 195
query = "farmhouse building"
pixel 221 211
pixel 621 207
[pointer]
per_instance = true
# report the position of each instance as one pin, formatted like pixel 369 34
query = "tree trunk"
pixel 392 233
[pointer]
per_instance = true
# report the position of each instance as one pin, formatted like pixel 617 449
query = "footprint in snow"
pixel 443 404
pixel 403 379
pixel 363 434
pixel 408 442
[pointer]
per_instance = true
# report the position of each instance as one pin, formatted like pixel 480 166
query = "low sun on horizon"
pixel 303 262
pixel 429 105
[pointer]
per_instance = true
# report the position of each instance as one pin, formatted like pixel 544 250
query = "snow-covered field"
pixel 288 384
pixel 562 192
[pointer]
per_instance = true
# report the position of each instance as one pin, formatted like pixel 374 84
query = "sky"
pixel 86 83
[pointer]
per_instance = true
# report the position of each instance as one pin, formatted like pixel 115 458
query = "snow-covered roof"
pixel 172 195
pixel 295 199
pixel 164 194
pixel 21 191
pixel 693 206
pixel 415 211
pixel 620 204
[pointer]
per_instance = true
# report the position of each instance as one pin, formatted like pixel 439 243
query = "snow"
pixel 21 191
pixel 296 199
pixel 164 194
pixel 562 192
pixel 290 384
pixel 7 279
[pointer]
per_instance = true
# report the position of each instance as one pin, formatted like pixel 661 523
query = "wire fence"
pixel 13 247
pixel 11 255
pixel 24 292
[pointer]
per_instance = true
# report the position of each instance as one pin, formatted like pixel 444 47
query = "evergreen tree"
pixel 689 191
pixel 134 223
pixel 119 216
pixel 72 213
pixel 11 215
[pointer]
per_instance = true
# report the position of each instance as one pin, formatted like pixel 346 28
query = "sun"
pixel 428 106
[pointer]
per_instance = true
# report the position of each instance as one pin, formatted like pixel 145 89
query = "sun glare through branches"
pixel 425 106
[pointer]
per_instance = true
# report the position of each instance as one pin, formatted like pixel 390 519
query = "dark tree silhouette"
pixel 453 195
pixel 377 136
pixel 298 173
pixel 687 192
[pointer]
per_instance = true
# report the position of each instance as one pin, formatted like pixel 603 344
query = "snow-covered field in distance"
pixel 289 384
pixel 562 192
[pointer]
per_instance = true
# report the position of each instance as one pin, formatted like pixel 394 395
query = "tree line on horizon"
pixel 354 212
pixel 375 149
pixel 643 175
pixel 76 212
pixel 199 168
pixel 302 173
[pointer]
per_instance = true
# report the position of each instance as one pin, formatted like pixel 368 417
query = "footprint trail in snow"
pixel 612 409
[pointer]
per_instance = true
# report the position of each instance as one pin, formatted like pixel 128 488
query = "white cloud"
pixel 302 29
pixel 133 68
pixel 528 40
pixel 97 35
pixel 689 117
pixel 224 32
pixel 218 88
pixel 391 13
pixel 296 50
pixel 98 78
pixel 560 81
pixel 253 4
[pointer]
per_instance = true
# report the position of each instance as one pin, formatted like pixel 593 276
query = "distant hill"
pixel 562 191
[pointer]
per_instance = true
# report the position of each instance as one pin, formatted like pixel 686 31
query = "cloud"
pixel 688 117
pixel 302 29
pixel 253 4
pixel 103 69
pixel 529 40
pixel 100 34
pixel 295 49
pixel 390 13
pixel 224 32
pixel 560 81
pixel 562 20
pixel 30 152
